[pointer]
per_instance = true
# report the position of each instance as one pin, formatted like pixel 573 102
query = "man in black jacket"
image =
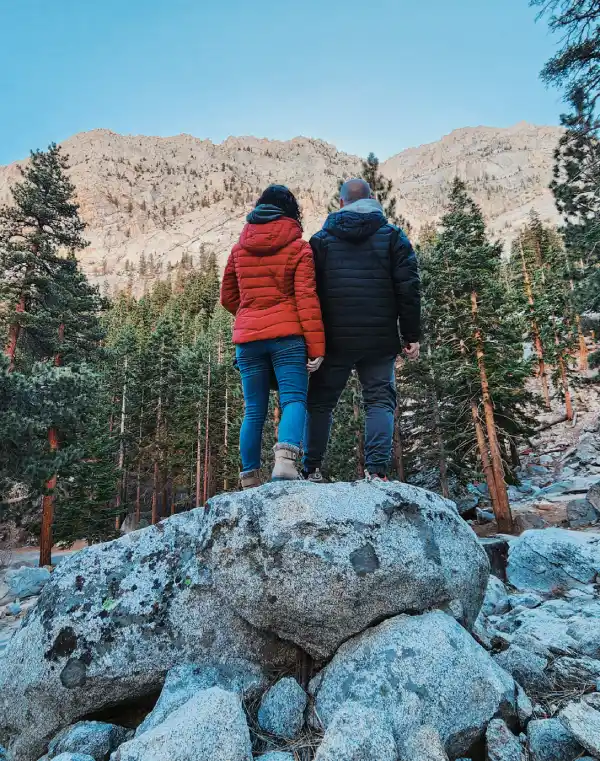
pixel 368 285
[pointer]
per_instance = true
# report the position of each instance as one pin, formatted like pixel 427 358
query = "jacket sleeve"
pixel 307 303
pixel 230 291
pixel 407 287
pixel 316 244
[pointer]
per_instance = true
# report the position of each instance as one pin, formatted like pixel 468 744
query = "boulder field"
pixel 416 652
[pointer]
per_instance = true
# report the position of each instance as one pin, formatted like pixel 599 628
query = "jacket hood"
pixel 263 213
pixel 356 221
pixel 268 231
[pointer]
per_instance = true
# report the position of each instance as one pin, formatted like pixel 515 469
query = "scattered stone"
pixel 525 600
pixel 211 726
pixel 13 608
pixel 581 512
pixel 423 744
pixel 282 707
pixel 496 548
pixel 317 564
pixel 428 663
pixel 3 755
pixel 554 558
pixel 484 516
pixel 72 757
pixel 26 582
pixel 576 672
pixel 583 722
pixel 525 709
pixel 549 740
pixel 593 496
pixel 108 626
pixel 183 682
pixel 276 755
pixel 526 667
pixel 501 744
pixel 357 733
pixel 94 738
pixel 545 459
pixel 496 599
pixel 587 451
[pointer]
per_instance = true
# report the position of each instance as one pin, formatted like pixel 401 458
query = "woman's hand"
pixel 314 364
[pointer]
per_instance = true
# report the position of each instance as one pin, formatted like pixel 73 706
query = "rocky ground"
pixel 348 622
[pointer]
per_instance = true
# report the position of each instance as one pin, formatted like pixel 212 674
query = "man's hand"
pixel 412 350
pixel 314 364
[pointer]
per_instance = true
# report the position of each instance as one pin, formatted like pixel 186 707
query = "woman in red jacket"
pixel 269 285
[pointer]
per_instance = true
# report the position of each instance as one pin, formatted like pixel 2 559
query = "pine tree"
pixel 382 189
pixel 52 321
pixel 576 188
pixel 480 338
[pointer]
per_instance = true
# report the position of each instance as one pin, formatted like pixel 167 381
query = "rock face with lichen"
pixel 318 564
pixel 109 625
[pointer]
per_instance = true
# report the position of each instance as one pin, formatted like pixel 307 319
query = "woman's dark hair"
pixel 284 199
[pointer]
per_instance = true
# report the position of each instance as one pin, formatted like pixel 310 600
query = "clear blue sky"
pixel 377 75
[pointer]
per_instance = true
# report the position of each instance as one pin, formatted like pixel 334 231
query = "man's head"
pixel 354 190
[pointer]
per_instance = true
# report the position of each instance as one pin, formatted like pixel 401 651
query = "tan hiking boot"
pixel 250 479
pixel 286 457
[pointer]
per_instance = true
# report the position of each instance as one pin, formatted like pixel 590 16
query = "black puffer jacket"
pixel 367 281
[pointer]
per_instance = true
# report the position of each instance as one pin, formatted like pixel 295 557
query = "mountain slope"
pixel 149 201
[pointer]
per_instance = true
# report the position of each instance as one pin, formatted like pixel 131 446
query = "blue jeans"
pixel 376 375
pixel 287 357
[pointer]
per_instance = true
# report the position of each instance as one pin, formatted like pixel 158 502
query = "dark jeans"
pixel 376 374
pixel 287 357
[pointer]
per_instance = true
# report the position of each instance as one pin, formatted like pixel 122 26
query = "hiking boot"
pixel 376 477
pixel 315 476
pixel 286 457
pixel 250 479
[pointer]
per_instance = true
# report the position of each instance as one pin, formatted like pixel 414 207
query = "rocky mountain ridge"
pixel 149 201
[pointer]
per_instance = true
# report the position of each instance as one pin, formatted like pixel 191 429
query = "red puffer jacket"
pixel 269 285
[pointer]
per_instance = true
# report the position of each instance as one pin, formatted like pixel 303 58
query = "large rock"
pixel 184 682
pixel 108 626
pixel 549 740
pixel 25 582
pixel 581 673
pixel 581 512
pixel 317 564
pixel 419 670
pixel 94 738
pixel 593 496
pixel 357 733
pixel 209 727
pixel 553 559
pixel 557 627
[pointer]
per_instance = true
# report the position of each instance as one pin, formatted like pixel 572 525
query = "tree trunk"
pixel 206 441
pixel 226 435
pixel 121 446
pixel 48 508
pixel 155 492
pixel 48 498
pixel 198 456
pixel 398 449
pixel 583 349
pixel 539 349
pixel 565 384
pixel 503 514
pixel 484 456
pixel 514 452
pixel 443 467
pixel 14 332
